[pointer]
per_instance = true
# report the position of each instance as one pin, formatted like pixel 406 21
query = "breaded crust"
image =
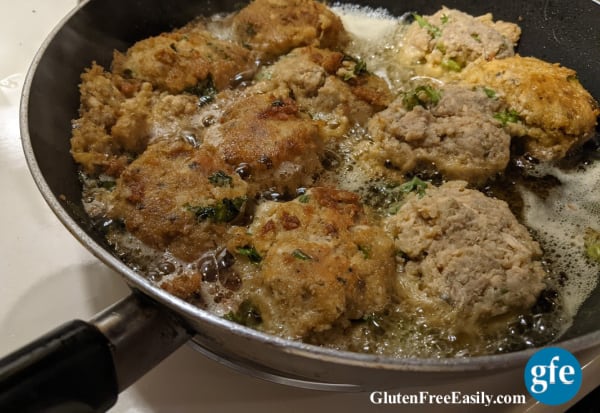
pixel 178 197
pixel 553 112
pixel 274 27
pixel 279 147
pixel 449 40
pixel 329 86
pixel 189 59
pixel 119 117
pixel 322 264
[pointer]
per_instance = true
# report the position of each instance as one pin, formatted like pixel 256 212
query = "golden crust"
pixel 556 112
pixel 181 60
pixel 274 27
pixel 160 197
pixel 119 117
pixel 325 85
pixel 266 132
pixel 323 263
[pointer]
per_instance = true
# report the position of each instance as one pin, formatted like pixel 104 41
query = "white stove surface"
pixel 47 277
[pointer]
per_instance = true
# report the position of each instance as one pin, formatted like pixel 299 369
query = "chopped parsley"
pixel 107 184
pixel 491 93
pixel 389 197
pixel 366 251
pixel 221 179
pixel 251 253
pixel 424 95
pixel 303 199
pixel 509 115
pixel 301 255
pixel 225 210
pixel 247 314
pixel 204 89
pixel 434 31
pixel 264 75
pixel 451 65
pixel 359 68
pixel 476 37
pixel 414 185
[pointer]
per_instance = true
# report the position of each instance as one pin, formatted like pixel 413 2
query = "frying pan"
pixel 86 364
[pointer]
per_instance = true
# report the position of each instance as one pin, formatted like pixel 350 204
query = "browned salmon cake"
pixel 189 59
pixel 274 27
pixel 317 262
pixel 449 40
pixel 178 197
pixel 119 117
pixel 548 107
pixel 329 86
pixel 268 140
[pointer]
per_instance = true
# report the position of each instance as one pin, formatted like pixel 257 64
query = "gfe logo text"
pixel 553 376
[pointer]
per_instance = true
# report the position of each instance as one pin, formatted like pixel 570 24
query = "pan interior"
pixel 551 32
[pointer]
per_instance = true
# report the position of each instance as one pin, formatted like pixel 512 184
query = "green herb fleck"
pixel 204 89
pixel 424 95
pixel 444 18
pixel 414 185
pixel 301 255
pixel 224 211
pixel 366 251
pixel 451 65
pixel 251 253
pixel 389 197
pixel 221 179
pixel 441 47
pixel 509 115
pixel 108 185
pixel 247 314
pixel 476 37
pixel 360 68
pixel 434 31
pixel 304 198
pixel 591 243
pixel 491 93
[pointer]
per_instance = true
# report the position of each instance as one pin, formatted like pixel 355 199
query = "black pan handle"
pixel 70 368
pixel 82 366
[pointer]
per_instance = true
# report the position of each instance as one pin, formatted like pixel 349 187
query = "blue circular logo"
pixel 553 376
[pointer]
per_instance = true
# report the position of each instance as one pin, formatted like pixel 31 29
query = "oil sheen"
pixel 557 219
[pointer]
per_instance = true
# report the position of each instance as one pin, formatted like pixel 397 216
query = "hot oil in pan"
pixel 557 214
